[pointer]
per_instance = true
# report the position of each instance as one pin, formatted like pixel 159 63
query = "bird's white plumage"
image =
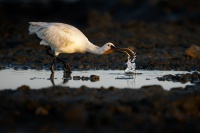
pixel 63 38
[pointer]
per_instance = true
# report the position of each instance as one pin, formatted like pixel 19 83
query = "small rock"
pixel 112 88
pixel 76 78
pixel 183 78
pixel 25 68
pixel 85 78
pixel 193 52
pixel 41 111
pixel 153 87
pixel 75 114
pixel 176 78
pixel 121 109
pixel 195 76
pixel 23 88
pixel 16 68
pixel 161 78
pixel 94 78
pixel 168 77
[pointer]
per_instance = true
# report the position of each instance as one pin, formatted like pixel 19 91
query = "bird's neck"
pixel 94 48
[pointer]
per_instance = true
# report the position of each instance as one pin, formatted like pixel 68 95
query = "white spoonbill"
pixel 64 38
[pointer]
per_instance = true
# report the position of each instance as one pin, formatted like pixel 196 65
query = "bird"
pixel 65 38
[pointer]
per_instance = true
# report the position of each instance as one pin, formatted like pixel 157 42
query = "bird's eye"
pixel 109 45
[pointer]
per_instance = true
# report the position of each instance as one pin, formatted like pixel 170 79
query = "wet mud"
pixel 158 47
pixel 165 35
pixel 58 109
pixel 182 78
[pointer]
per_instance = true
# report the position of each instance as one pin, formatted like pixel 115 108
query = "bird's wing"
pixel 43 43
pixel 36 26
pixel 68 29
pixel 58 34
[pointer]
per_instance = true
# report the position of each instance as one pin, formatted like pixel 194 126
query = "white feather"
pixel 43 43
pixel 64 38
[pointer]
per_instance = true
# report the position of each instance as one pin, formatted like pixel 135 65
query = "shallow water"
pixel 11 79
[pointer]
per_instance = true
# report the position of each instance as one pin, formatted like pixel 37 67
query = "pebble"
pixel 94 78
pixel 76 78
pixel 183 78
pixel 193 52
pixel 41 111
pixel 23 88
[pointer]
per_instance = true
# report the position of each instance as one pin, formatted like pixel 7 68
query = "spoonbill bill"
pixel 65 38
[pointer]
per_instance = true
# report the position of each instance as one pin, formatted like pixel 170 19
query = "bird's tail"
pixel 35 26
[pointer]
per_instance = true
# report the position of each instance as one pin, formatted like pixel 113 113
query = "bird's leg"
pixel 52 79
pixel 52 76
pixel 52 65
pixel 48 52
pixel 67 68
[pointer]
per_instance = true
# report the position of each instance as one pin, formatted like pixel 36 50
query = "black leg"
pixel 48 52
pixel 52 65
pixel 67 68
pixel 52 79
pixel 52 76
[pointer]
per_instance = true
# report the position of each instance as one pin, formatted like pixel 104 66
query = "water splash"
pixel 131 64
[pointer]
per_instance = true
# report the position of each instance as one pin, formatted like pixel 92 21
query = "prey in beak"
pixel 128 51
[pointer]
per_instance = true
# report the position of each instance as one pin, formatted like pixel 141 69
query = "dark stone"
pixel 76 77
pixel 94 78
pixel 193 52
pixel 23 88
pixel 85 78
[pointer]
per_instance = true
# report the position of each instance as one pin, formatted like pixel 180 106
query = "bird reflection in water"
pixel 66 77
pixel 131 81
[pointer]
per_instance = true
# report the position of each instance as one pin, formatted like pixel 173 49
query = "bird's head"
pixel 108 48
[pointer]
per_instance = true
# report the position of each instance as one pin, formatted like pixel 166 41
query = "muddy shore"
pixel 62 109
pixel 165 39
pixel 158 47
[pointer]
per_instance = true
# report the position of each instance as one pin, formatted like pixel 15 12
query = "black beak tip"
pixel 113 47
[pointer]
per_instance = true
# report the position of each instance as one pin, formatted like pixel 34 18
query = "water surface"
pixel 11 79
